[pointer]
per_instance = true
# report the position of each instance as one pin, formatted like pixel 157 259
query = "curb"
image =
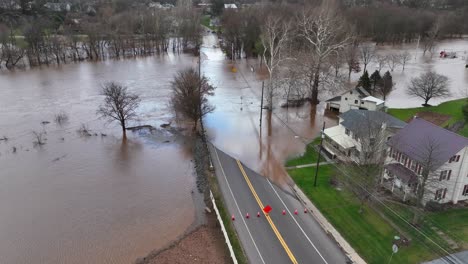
pixel 329 229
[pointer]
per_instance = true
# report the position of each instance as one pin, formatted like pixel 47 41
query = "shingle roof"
pixel 425 142
pixel 358 120
pixel 334 99
pixel 404 174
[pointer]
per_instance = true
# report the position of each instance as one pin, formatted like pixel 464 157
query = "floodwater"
pixel 89 199
pixel 96 199
pixel 454 69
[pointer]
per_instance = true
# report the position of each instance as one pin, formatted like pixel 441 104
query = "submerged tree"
pixel 428 86
pixel 119 105
pixel 376 81
pixel 189 95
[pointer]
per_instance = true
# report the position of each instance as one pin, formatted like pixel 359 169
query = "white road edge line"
pixel 296 221
pixel 238 209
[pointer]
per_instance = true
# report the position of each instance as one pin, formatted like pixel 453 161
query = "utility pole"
pixel 322 135
pixel 261 105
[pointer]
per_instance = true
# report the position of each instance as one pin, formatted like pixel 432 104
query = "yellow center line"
pixel 275 230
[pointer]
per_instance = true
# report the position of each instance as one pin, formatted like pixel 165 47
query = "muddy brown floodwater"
pixel 95 199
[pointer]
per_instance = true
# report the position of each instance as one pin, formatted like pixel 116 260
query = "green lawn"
pixel 454 223
pixel 452 108
pixel 369 234
pixel 206 22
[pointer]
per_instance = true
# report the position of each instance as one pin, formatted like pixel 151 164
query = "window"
pixel 440 194
pixel 346 131
pixel 445 175
pixel 455 158
pixel 351 92
pixel 356 101
pixel 372 141
pixel 346 98
pixel 465 190
pixel 355 137
pixel 362 102
pixel 413 166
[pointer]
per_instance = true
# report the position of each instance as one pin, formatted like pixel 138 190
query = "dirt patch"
pixel 435 118
pixel 205 244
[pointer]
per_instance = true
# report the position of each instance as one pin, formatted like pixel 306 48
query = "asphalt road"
pixel 272 238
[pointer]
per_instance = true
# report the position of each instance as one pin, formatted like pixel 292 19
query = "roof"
pixel 427 143
pixel 361 91
pixel 335 99
pixel 358 121
pixel 404 174
pixel 337 134
pixel 377 101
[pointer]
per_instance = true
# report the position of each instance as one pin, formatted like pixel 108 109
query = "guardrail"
pixel 223 229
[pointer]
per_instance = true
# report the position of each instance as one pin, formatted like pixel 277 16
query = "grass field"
pixel 206 22
pixel 308 157
pixel 368 233
pixel 452 108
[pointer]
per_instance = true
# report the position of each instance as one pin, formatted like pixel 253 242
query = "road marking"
pixel 238 209
pixel 297 222
pixel 275 230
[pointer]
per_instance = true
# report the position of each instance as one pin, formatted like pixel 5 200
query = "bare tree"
pixel 274 38
pixel 363 175
pixel 189 95
pixel 367 54
pixel 392 61
pixel 430 37
pixel 119 105
pixel 325 33
pixel 381 61
pixel 404 58
pixel 351 57
pixel 428 86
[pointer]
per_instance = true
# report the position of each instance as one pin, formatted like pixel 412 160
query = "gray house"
pixel 360 134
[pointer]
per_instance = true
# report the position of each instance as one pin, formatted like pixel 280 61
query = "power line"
pixel 447 255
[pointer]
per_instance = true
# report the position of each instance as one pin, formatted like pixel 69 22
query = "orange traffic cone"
pixel 258 214
pixel 284 212
pixel 233 218
pixel 305 211
pixel 295 211
pixel 247 216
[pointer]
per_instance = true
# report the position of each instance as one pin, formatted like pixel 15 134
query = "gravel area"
pixel 205 244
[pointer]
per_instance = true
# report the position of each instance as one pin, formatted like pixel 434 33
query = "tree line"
pixel 108 34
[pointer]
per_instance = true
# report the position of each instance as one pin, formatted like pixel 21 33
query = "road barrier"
pixel 223 229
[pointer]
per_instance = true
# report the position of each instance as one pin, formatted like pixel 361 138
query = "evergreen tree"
pixel 387 85
pixel 376 80
pixel 217 7
pixel 365 82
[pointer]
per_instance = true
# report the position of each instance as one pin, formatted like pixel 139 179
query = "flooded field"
pixel 96 199
pixel 454 69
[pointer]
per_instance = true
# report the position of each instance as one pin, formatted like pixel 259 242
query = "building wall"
pixel 450 189
pixel 351 100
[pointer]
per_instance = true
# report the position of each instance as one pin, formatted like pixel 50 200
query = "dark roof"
pixel 401 172
pixel 359 120
pixel 334 99
pixel 427 143
pixel 362 92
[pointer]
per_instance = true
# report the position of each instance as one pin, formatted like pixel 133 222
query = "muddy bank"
pixel 205 245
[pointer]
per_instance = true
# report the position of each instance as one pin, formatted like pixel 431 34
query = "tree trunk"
pixel 124 130
pixel 314 95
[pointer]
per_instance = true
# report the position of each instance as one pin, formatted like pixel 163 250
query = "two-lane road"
pixel 273 237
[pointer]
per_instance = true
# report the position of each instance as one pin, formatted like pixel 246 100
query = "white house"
pixel 357 98
pixel 360 134
pixel 424 147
